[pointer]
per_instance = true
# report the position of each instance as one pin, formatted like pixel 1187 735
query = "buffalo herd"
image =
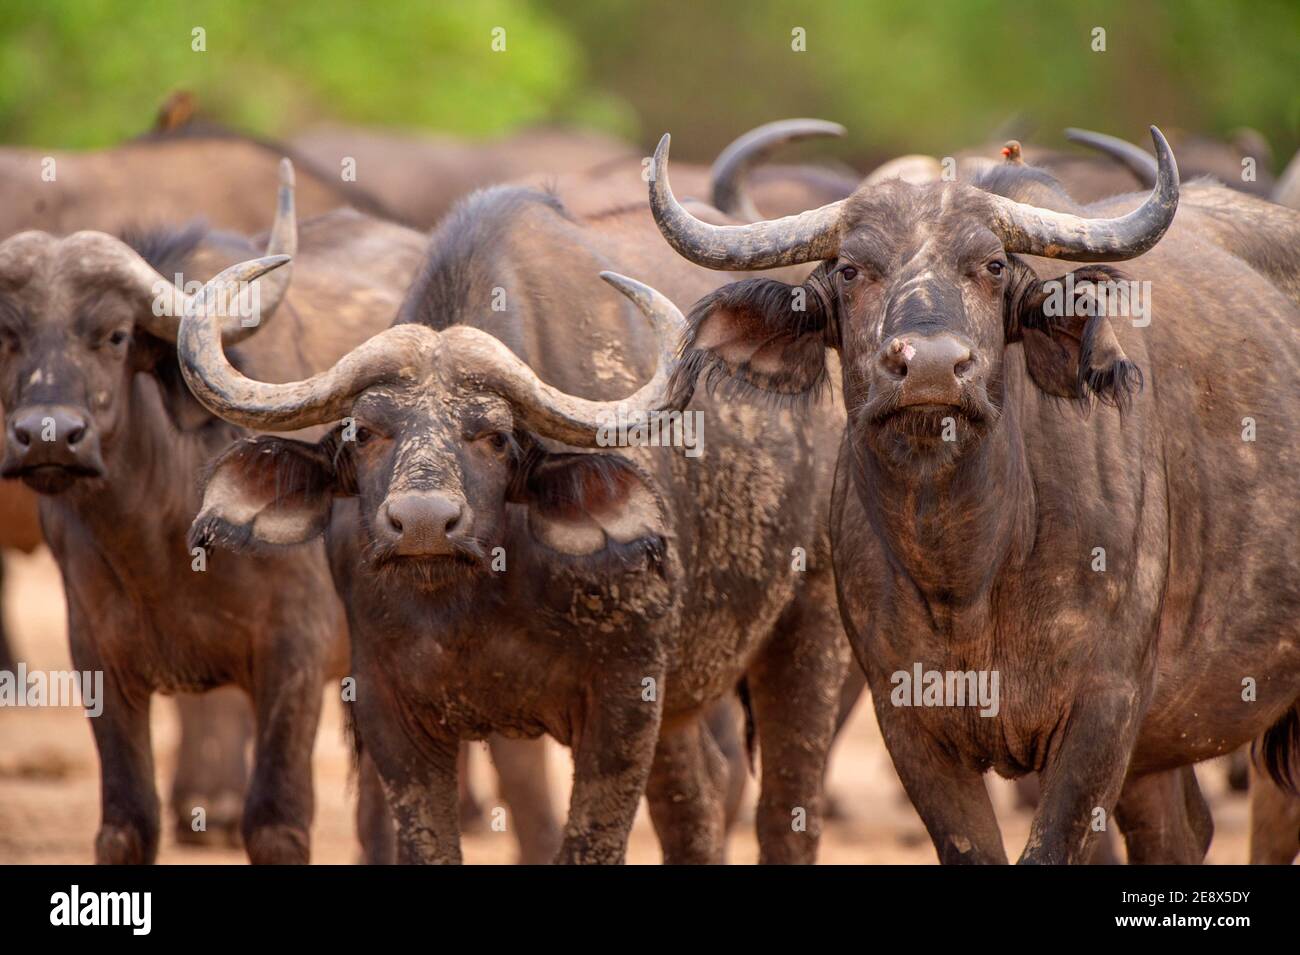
pixel 543 437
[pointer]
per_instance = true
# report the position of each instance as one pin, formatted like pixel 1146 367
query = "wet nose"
pixel 50 435
pixel 423 524
pixel 933 368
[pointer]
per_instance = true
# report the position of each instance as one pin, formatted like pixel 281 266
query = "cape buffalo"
pixel 100 424
pixel 168 176
pixel 501 578
pixel 1014 510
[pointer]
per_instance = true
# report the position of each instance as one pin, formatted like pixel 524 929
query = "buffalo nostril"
pixel 963 367
pixel 74 436
pixel 393 521
pixel 22 435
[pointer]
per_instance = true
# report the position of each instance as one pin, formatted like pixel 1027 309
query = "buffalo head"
pixel 437 431
pixel 80 316
pixel 920 289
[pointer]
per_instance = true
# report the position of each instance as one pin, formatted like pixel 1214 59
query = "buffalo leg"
pixel 1164 818
pixel 211 764
pixel 724 721
pixel 130 810
pixel 418 772
pixel 374 823
pixel 951 800
pixel 525 788
pixel 129 827
pixel 1274 822
pixel 278 810
pixel 794 688
pixel 471 810
pixel 611 763
pixel 855 681
pixel 1083 777
pixel 685 791
pixel 1026 790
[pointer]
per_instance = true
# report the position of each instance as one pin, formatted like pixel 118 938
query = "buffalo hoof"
pixel 278 845
pixel 121 845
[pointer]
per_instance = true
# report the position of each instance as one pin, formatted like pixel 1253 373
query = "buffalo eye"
pixel 996 268
pixel 498 441
pixel 848 273
pixel 115 339
pixel 363 435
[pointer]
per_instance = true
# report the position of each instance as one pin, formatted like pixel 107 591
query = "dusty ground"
pixel 49 782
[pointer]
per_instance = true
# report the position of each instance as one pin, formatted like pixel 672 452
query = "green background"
pixel 903 77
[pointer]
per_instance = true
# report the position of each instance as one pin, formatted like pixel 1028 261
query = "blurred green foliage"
pixel 92 72
pixel 902 76
pixel 940 75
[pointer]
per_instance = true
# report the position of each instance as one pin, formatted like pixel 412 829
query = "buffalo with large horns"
pixel 101 426
pixel 1071 489
pixel 514 561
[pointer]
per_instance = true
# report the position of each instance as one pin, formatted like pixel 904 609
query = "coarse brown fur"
pixel 638 585
pixel 144 609
pixel 981 553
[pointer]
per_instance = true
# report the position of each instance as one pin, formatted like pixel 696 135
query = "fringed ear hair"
pixel 1104 370
pixel 1071 349
pixel 758 335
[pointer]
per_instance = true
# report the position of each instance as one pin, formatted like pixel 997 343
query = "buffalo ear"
pixel 1070 352
pixel 267 491
pixel 760 334
pixel 584 504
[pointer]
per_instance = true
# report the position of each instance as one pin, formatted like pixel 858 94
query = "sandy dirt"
pixel 49 777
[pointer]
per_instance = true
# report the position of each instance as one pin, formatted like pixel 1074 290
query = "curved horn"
pixel 223 390
pixel 807 237
pixel 1135 160
pixel 169 303
pixel 1059 235
pixel 734 163
pixel 545 409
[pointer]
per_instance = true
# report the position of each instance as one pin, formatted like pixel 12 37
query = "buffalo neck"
pixel 953 532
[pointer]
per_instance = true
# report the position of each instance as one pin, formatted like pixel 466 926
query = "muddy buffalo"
pixel 1091 516
pixel 100 424
pixel 510 564
pixel 181 170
